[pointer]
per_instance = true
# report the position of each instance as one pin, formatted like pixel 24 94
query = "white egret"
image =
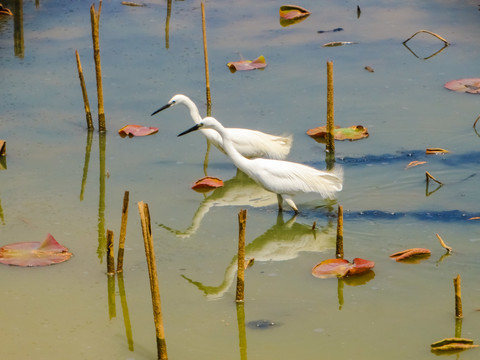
pixel 250 143
pixel 284 178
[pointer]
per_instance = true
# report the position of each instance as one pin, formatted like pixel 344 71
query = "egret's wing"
pixel 253 143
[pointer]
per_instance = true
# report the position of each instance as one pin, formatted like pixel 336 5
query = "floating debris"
pixel 338 43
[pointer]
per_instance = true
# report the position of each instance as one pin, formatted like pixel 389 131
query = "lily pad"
pixel 469 86
pixel 207 184
pixel 258 63
pixel 411 253
pixel 136 130
pixel 35 253
pixel 341 267
pixel 354 132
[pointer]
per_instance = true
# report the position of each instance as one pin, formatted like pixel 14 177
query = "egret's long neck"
pixel 238 159
pixel 194 113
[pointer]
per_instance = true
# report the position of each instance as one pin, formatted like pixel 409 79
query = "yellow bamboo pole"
pixel 95 20
pixel 205 51
pixel 123 232
pixel 242 221
pixel 330 140
pixel 152 273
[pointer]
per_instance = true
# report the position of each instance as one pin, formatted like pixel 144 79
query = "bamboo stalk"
pixel 88 114
pixel 242 221
pixel 95 20
pixel 110 255
pixel 339 245
pixel 123 232
pixel 205 51
pixel 458 297
pixel 152 273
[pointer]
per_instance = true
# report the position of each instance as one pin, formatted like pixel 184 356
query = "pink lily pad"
pixel 354 132
pixel 341 267
pixel 469 86
pixel 258 63
pixel 136 130
pixel 35 253
pixel 207 184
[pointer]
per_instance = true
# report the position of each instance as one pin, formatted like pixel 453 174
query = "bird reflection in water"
pixel 283 241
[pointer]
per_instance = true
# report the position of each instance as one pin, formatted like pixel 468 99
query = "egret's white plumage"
pixel 250 143
pixel 285 178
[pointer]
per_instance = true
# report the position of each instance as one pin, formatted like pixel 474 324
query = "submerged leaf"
pixel 206 184
pixel 341 267
pixel 354 132
pixel 34 253
pixel 469 86
pixel 409 253
pixel 258 63
pixel 136 130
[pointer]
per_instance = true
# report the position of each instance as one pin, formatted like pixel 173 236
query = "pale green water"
pixel 396 313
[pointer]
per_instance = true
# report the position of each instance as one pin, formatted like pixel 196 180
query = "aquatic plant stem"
pixel 95 20
pixel 205 52
pixel 428 32
pixel 242 221
pixel 339 244
pixel 330 141
pixel 123 232
pixel 152 273
pixel 458 297
pixel 110 255
pixel 88 114
pixel 431 177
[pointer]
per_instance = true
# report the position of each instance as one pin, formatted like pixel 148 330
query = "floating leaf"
pixel 354 132
pixel 435 151
pixel 128 3
pixel 292 14
pixel 5 11
pixel 258 63
pixel 34 253
pixel 136 130
pixel 415 163
pixel 341 267
pixel 3 148
pixel 409 253
pixel 469 86
pixel 451 344
pixel 369 69
pixel 207 184
pixel 338 43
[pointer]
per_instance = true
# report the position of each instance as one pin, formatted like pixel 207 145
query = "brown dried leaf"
pixel 415 163
pixel 435 151
pixel 405 254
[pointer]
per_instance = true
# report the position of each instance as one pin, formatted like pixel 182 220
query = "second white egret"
pixel 250 143
pixel 284 178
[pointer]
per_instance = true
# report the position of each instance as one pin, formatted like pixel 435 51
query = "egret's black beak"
pixel 193 128
pixel 162 108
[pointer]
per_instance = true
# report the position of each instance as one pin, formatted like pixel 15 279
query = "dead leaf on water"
pixel 411 253
pixel 338 43
pixel 292 14
pixel 469 86
pixel 354 132
pixel 415 163
pixel 207 184
pixel 453 344
pixel 258 63
pixel 435 151
pixel 341 267
pixel 136 130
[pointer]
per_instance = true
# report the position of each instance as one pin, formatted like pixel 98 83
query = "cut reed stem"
pixel 431 177
pixel 428 32
pixel 152 273
pixel 207 74
pixel 88 114
pixel 458 297
pixel 330 142
pixel 445 246
pixel 339 244
pixel 110 255
pixel 123 232
pixel 242 221
pixel 95 20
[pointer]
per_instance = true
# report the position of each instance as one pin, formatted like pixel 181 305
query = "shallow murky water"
pixel 52 183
